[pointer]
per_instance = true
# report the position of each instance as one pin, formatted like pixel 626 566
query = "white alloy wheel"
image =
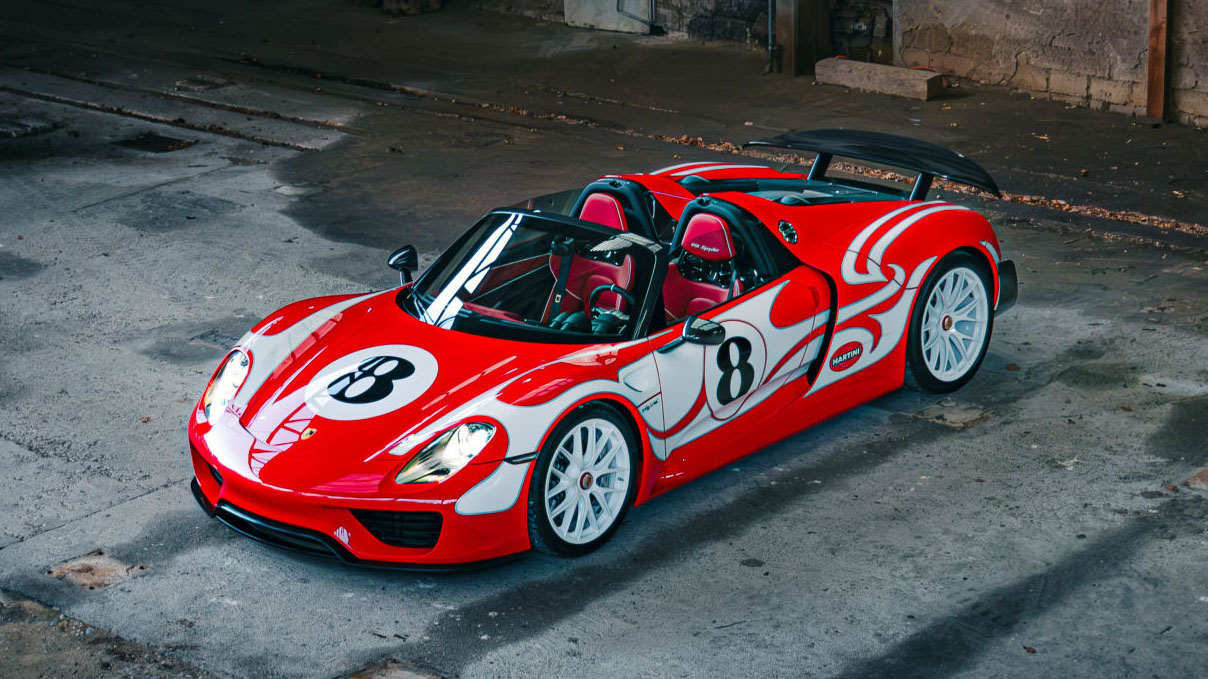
pixel 586 486
pixel 955 322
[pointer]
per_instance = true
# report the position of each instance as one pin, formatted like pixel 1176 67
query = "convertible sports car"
pixel 548 372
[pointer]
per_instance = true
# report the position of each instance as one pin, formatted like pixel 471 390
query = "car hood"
pixel 330 395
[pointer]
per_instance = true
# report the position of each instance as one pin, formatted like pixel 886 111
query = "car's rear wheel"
pixel 950 325
pixel 584 482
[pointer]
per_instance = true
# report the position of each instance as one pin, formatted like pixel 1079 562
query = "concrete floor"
pixel 884 543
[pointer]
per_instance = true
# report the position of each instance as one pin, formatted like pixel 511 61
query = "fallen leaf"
pixel 1013 367
pixel 1029 649
pixel 145 420
pixel 1126 409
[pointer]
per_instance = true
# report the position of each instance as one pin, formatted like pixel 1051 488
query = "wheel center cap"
pixel 947 323
pixel 585 481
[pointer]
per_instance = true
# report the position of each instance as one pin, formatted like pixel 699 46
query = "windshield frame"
pixel 414 303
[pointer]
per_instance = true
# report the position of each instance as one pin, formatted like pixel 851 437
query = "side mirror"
pixel 698 331
pixel 404 260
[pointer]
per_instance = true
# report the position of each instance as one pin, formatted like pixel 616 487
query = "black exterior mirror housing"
pixel 404 260
pixel 703 331
pixel 697 331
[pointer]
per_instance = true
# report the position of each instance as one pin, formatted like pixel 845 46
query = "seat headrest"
pixel 602 208
pixel 708 237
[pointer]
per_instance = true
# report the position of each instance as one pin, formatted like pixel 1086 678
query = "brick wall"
pixel 1084 52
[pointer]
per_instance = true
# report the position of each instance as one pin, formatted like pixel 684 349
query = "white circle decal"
pixel 734 369
pixel 371 382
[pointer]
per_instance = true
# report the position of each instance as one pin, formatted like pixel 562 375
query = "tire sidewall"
pixel 918 376
pixel 541 534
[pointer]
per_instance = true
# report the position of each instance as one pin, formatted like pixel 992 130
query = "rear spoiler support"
pixel 927 159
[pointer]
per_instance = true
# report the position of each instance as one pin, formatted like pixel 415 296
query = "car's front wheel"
pixel 584 482
pixel 950 324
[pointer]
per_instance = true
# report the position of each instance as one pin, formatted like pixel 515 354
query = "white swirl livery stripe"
pixel 269 350
pixel 878 251
pixel 872 273
pixel 684 173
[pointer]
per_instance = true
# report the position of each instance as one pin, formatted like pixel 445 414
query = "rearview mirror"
pixel 404 260
pixel 697 331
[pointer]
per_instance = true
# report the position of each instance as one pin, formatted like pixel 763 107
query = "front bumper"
pixel 329 526
pixel 1008 286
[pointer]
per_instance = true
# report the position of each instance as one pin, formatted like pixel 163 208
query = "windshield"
pixel 524 275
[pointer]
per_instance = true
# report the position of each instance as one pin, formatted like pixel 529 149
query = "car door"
pixel 712 395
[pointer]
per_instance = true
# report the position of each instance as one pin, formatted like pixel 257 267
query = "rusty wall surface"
pixel 1084 52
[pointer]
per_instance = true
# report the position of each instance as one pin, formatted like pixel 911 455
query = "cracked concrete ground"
pixel 884 543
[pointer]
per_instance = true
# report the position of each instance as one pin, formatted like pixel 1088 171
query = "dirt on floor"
pixel 41 643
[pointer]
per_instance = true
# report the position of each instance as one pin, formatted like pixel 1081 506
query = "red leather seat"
pixel 707 238
pixel 602 208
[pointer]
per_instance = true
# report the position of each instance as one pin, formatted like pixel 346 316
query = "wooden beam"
pixel 1155 84
pixel 786 35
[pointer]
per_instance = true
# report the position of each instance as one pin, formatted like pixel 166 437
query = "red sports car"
pixel 549 372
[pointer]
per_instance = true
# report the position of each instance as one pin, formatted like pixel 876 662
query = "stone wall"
pixel 742 21
pixel 1085 52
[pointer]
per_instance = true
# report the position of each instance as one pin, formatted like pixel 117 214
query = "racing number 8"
pixel 746 371
pixel 373 380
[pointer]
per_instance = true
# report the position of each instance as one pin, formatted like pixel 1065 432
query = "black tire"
pixel 542 534
pixel 919 376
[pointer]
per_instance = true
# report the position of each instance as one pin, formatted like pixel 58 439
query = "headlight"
pixel 444 456
pixel 225 384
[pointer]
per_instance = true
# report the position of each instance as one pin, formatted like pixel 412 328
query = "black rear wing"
pixel 928 159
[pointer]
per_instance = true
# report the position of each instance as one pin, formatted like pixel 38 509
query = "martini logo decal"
pixel 846 356
pixel 371 382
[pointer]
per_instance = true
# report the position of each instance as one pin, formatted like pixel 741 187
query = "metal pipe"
pixel 771 67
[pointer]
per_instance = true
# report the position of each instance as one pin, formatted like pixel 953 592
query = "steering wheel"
pixel 622 292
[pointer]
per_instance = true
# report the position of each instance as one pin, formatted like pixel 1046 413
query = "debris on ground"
pixel 392 668
pixel 42 642
pixel 1198 480
pixel 95 570
pixel 952 414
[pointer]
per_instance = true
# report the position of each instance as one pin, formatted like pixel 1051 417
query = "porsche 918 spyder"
pixel 549 372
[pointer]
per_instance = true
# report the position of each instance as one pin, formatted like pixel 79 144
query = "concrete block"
pixel 1127 109
pixel 1133 73
pixel 1069 84
pixel 1190 102
pixel 895 80
pixel 1184 78
pixel 952 63
pixel 1198 122
pixel 1068 99
pixel 1028 77
pixel 915 57
pixel 1110 91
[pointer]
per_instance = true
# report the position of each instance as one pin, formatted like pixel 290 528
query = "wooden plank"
pixel 895 80
pixel 1155 88
pixel 786 35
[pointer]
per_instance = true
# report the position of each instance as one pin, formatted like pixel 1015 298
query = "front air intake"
pixel 418 530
